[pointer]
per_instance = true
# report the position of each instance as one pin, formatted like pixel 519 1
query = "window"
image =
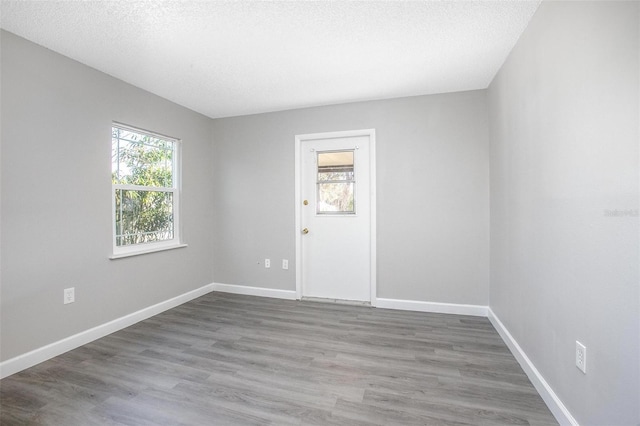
pixel 144 175
pixel 336 183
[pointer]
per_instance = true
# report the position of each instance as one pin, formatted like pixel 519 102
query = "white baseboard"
pixel 36 356
pixel 558 409
pixel 441 308
pixel 255 291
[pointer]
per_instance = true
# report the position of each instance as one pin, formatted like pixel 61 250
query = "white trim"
pixel 152 249
pixel 36 356
pixel 255 291
pixel 436 307
pixel 371 133
pixel 298 220
pixel 558 409
pixel 127 187
pixel 373 218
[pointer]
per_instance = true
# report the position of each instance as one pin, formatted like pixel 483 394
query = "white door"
pixel 335 209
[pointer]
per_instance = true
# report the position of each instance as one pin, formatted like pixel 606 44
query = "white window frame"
pixel 143 248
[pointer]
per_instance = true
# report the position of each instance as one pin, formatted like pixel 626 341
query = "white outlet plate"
pixel 69 295
pixel 267 263
pixel 285 264
pixel 581 357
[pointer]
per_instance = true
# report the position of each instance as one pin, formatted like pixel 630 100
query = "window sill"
pixel 146 251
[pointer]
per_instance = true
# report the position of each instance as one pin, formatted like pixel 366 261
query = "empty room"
pixel 320 212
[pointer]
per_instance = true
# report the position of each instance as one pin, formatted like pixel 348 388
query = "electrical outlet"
pixel 69 295
pixel 267 263
pixel 581 357
pixel 285 264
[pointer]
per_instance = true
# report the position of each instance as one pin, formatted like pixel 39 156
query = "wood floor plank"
pixel 229 359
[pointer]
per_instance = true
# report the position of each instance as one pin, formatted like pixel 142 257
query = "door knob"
pixel 305 231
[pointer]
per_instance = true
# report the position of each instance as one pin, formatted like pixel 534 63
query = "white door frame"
pixel 371 133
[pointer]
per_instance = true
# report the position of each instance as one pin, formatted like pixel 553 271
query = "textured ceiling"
pixel 227 58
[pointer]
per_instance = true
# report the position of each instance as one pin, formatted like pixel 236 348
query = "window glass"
pixel 336 182
pixel 143 216
pixel 139 159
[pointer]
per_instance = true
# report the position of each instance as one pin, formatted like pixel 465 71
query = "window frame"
pixel 175 189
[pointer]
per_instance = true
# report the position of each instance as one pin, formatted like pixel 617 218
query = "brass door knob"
pixel 305 231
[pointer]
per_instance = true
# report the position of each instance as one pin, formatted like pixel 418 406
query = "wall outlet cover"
pixel 581 357
pixel 69 295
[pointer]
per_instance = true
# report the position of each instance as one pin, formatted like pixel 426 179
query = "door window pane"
pixel 336 183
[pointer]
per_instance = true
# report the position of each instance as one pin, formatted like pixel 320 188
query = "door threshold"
pixel 337 301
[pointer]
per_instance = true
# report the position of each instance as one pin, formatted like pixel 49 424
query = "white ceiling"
pixel 227 58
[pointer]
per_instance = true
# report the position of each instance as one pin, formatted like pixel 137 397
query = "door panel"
pixel 336 251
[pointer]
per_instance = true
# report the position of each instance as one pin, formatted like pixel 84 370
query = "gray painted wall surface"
pixel 56 199
pixel 564 151
pixel 432 191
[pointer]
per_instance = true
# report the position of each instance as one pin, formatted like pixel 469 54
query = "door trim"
pixel 371 133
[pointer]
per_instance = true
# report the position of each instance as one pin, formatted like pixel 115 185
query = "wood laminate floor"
pixel 226 359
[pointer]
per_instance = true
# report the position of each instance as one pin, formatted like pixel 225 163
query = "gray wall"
pixel 432 181
pixel 56 199
pixel 564 152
